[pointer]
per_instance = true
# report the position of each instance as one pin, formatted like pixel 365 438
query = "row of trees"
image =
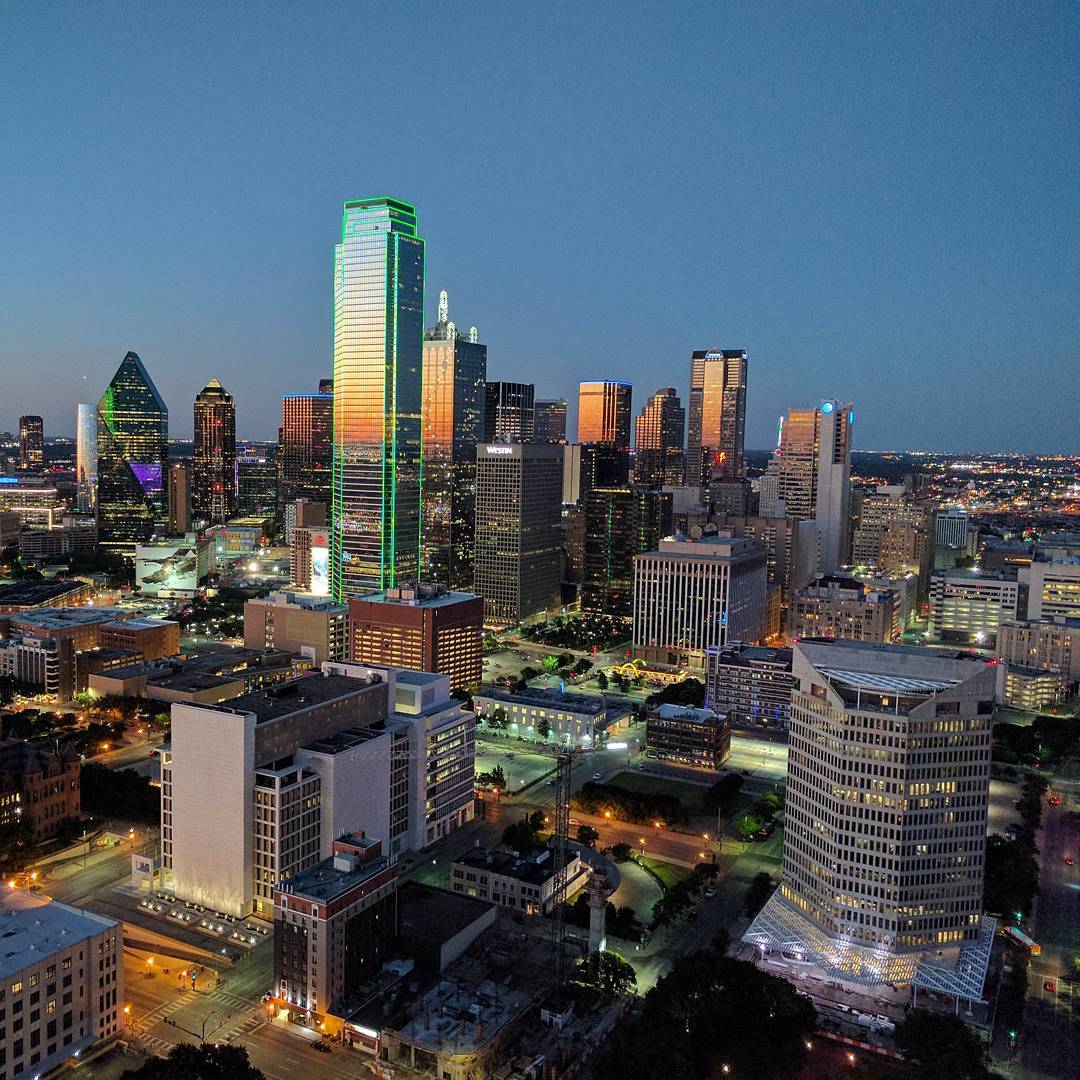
pixel 1012 869
pixel 679 898
pixel 633 806
pixel 758 821
pixel 123 794
pixel 1046 741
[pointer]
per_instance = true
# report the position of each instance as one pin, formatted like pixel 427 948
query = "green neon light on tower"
pixel 378 367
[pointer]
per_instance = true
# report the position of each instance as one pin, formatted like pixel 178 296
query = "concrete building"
pixel 1053 645
pixel 37 505
pixel 509 412
pixel 1053 586
pixel 179 498
pixel 522 882
pixel 968 606
pixel 309 559
pixel 334 927
pixel 1033 689
pixel 573 719
pixel 313 626
pixel 518 566
pixel 838 607
pixel 45 664
pixel 81 625
pixel 885 819
pixel 695 595
pixel 716 434
pixel 62 972
pixel 425 627
pixel 149 639
pixel 750 684
pixel 16 596
pixel 689 736
pixel 550 420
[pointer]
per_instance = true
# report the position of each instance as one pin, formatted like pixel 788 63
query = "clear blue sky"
pixel 880 202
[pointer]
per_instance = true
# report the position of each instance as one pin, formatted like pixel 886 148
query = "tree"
pixel 16 842
pixel 497 718
pixel 123 794
pixel 543 727
pixel 749 826
pixel 722 793
pixel 520 836
pixel 498 778
pixel 205 1062
pixel 550 664
pixel 565 659
pixel 587 835
pixel 711 1011
pixel 688 692
pixel 582 666
pixel 601 680
pixel 621 852
pixel 943 1045
pixel 757 894
pixel 607 973
pixel 536 820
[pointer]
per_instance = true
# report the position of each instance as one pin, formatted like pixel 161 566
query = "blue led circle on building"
pixel 827 407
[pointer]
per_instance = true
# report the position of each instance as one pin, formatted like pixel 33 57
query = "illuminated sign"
pixel 827 406
pixel 851 417
pixel 714 356
pixel 320 570
pixel 499 449
pixel 9 479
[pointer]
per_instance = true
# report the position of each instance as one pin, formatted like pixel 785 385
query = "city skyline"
pixel 851 248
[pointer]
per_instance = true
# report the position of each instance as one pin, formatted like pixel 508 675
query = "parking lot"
pixel 521 765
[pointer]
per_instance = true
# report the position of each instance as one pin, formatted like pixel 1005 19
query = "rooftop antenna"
pixel 444 306
pixel 451 331
pixel 473 333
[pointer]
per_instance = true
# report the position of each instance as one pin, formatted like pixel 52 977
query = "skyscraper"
pixel 885 820
pixel 305 447
pixel 604 423
pixel 86 457
pixel 378 359
pixel 658 435
pixel 179 498
pixel 132 442
pixel 550 421
pixel 815 475
pixel 31 442
pixel 215 453
pixel 455 372
pixel 509 412
pixel 518 530
pixel 717 416
pixel 620 524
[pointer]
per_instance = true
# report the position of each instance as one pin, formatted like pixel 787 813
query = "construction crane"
pixel 560 853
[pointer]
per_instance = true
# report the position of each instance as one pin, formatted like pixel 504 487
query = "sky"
pixel 880 202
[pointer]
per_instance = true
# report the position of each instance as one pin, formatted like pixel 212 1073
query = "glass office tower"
pixel 86 457
pixel 215 453
pixel 455 369
pixel 378 360
pixel 717 416
pixel 132 445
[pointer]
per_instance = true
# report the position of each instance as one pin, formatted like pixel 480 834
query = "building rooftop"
pixel 297 695
pixel 47 618
pixel 32 928
pixel 688 713
pixel 533 869
pixel 34 592
pixel 345 740
pixel 707 547
pixel 974 575
pixel 576 703
pixel 433 916
pixel 458 1018
pixel 332 877
pixel 146 624
pixel 193 681
pixel 748 654
pixel 425 595
pixel 300 600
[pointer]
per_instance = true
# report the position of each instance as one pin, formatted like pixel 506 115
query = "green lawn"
pixel 668 873
pixel 688 794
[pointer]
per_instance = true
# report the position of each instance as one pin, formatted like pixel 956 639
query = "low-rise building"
pixel 62 973
pixel 39 786
pixel 522 882
pixel 309 558
pixel 570 719
pixel 150 638
pixel 423 627
pixel 1033 689
pixel 1053 584
pixel 1053 645
pixel 689 736
pixel 45 664
pixel 311 625
pixel 968 606
pixel 28 593
pixel 842 608
pixel 81 625
pixel 750 684
pixel 334 926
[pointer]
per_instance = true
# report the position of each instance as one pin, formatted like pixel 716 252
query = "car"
pixel 321 1047
pixel 1055 800
pixel 598 776
pixel 574 821
pixel 1050 986
pixel 710 892
pixel 1070 861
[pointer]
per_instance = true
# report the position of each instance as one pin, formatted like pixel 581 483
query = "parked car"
pixel 598 776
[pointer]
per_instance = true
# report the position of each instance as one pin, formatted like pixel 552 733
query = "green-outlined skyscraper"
pixel 378 372
pixel 132 456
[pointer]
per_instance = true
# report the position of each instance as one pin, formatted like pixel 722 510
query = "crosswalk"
pixel 237 1018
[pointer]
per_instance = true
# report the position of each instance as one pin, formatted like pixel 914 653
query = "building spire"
pixel 444 306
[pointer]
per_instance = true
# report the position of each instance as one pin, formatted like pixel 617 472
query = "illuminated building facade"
pixel 658 437
pixel 305 447
pixel 86 457
pixel 132 443
pixel 215 453
pixel 378 361
pixel 509 412
pixel 715 441
pixel 604 424
pixel 31 443
pixel 455 373
pixel 815 475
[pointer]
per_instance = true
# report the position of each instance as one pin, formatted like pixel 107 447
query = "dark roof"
pixel 33 592
pixel 507 864
pixel 295 696
pixel 432 916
